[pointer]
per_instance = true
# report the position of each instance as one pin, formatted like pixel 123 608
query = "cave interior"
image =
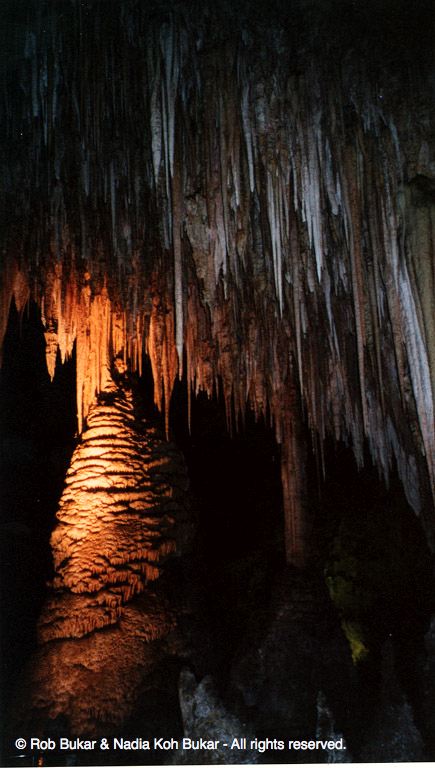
pixel 217 331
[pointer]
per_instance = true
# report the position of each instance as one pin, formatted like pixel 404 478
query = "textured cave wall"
pixel 245 192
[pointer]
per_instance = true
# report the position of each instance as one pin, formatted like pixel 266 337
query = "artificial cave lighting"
pixel 232 202
pixel 267 223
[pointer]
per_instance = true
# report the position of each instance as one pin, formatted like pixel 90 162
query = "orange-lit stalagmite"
pixel 237 201
pixel 123 511
pixel 200 184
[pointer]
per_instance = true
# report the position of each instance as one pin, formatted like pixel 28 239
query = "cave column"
pixel 293 480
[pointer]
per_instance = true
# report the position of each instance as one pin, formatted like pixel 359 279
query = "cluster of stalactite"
pixel 123 511
pixel 235 202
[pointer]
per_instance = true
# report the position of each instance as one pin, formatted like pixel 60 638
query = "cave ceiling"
pixel 245 192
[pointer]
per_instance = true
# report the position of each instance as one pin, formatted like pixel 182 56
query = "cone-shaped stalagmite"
pixel 228 188
pixel 122 512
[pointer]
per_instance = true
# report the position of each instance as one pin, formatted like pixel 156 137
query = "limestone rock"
pixel 206 717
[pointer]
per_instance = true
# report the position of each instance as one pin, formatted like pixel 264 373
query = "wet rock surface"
pixel 210 727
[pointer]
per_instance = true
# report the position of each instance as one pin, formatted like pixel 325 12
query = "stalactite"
pixel 292 474
pixel 244 214
pixel 178 268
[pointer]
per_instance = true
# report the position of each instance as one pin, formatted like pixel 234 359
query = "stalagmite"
pixel 261 216
pixel 123 511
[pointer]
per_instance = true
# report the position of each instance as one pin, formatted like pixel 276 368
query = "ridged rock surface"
pixel 246 190
pixel 123 511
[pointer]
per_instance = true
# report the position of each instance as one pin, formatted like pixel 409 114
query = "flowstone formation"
pixel 245 194
pixel 106 626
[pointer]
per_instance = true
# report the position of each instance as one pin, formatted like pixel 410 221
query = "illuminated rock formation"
pixel 123 511
pixel 244 193
pixel 199 183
